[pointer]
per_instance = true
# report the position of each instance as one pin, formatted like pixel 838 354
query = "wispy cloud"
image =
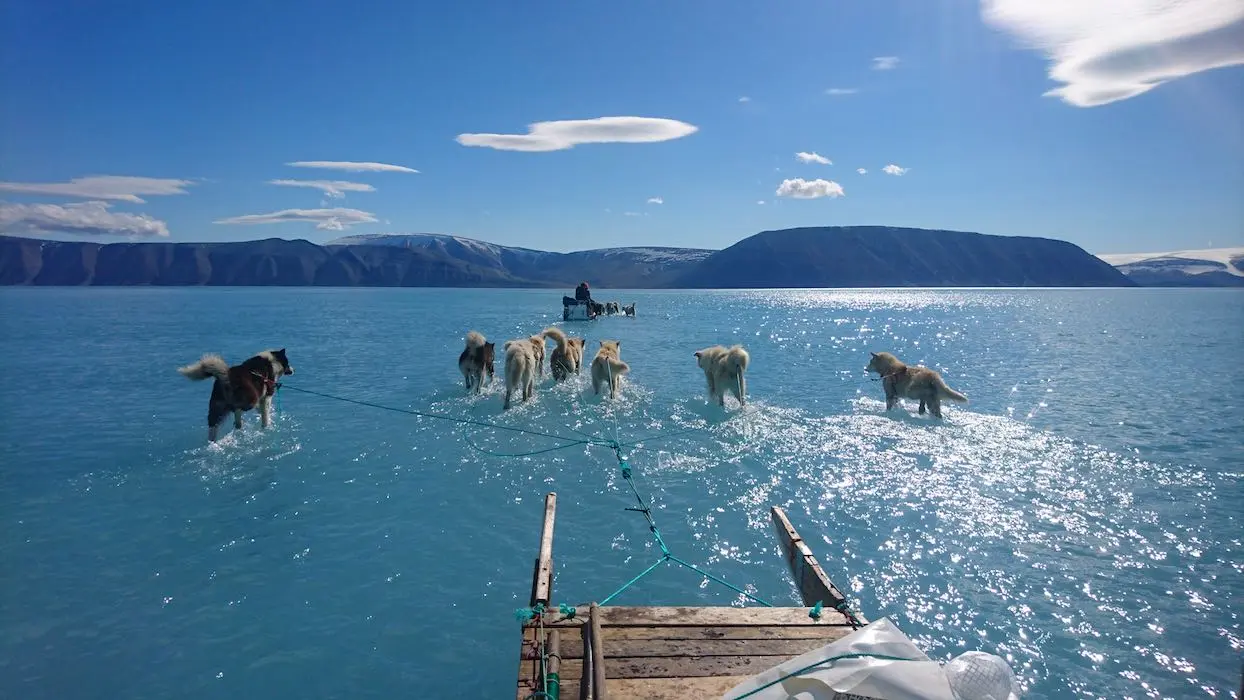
pixel 656 200
pixel 885 62
pixel 352 166
pixel 1109 50
pixel 83 218
pixel 861 171
pixel 331 188
pixel 337 219
pixel 840 92
pixel 760 201
pixel 745 98
pixel 893 169
pixel 633 213
pixel 805 157
pixel 121 188
pixel 800 188
pixel 560 135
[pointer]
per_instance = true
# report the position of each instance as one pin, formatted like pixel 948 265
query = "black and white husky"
pixel 240 388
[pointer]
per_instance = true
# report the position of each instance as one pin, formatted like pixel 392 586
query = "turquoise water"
pixel 1080 517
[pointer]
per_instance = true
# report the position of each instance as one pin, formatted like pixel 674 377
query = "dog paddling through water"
pixel 567 357
pixel 239 389
pixel 524 361
pixel 724 368
pixel 903 382
pixel 476 361
pixel 608 367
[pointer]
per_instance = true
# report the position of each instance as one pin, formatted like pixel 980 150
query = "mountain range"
pixel 847 256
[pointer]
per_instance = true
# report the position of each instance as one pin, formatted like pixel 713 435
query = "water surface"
pixel 1081 516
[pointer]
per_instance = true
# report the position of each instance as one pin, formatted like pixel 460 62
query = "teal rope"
pixel 809 667
pixel 666 556
pixel 723 582
pixel 438 416
pixel 473 445
pixel 628 584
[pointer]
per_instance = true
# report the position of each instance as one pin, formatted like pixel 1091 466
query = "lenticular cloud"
pixel 1103 51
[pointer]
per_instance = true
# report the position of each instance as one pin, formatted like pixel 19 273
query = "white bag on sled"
pixel 879 662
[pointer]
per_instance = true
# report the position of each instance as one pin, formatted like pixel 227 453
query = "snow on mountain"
pixel 1205 267
pixel 1225 259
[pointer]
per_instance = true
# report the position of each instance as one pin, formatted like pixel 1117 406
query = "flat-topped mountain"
pixel 883 256
pixel 851 256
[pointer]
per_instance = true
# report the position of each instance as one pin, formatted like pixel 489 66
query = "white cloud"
pixel 332 188
pixel 337 219
pixel 1109 50
pixel 122 188
pixel 861 171
pixel 351 166
pixel 85 218
pixel 760 201
pixel 656 200
pixel 805 157
pixel 893 169
pixel 633 213
pixel 839 92
pixel 745 98
pixel 809 189
pixel 891 62
pixel 560 135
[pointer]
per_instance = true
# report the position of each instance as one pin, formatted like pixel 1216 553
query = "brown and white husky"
pixel 567 357
pixel 921 383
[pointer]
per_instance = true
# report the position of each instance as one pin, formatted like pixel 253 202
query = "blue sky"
pixel 1140 147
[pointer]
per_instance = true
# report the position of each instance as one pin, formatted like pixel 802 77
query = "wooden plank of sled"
pixel 811 580
pixel 668 667
pixel 671 648
pixel 673 688
pixel 600 690
pixel 675 632
pixel 654 688
pixel 542 581
pixel 622 616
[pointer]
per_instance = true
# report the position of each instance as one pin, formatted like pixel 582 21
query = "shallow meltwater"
pixel 1090 539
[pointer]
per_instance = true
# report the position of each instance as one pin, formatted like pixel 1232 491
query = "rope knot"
pixel 815 612
pixel 567 610
pixel 524 614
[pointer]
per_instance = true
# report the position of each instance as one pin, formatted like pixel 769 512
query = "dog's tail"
pixel 210 366
pixel 947 393
pixel 617 366
pixel 474 339
pixel 737 359
pixel 557 335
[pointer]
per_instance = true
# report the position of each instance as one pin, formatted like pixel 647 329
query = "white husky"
pixel 724 368
pixel 522 364
pixel 608 367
